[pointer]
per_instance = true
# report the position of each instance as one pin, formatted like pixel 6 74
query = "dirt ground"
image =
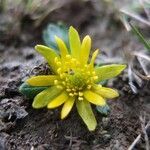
pixel 24 128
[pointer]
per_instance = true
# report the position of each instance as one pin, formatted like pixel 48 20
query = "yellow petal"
pixel 94 98
pixel 62 47
pixel 67 107
pixel 85 111
pixel 59 100
pixel 107 92
pixel 43 80
pixel 43 98
pixel 108 71
pixel 85 50
pixel 49 54
pixel 93 58
pixel 75 43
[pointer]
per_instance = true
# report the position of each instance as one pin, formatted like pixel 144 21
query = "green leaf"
pixel 105 110
pixel 104 82
pixel 43 98
pixel 86 113
pixel 31 91
pixel 52 30
pixel 140 36
pixel 109 71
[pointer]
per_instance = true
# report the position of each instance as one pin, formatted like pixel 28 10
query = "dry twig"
pixel 144 129
pixel 144 132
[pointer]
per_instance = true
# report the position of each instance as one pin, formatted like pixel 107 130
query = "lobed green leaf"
pixel 31 91
pixel 105 110
pixel 53 30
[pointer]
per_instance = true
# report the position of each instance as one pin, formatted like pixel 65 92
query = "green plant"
pixel 75 79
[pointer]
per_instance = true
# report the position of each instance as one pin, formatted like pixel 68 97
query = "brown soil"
pixel 24 128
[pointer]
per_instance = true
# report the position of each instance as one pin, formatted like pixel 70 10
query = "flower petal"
pixel 75 43
pixel 49 54
pixel 106 92
pixel 42 80
pixel 43 98
pixel 86 113
pixel 59 100
pixel 67 107
pixel 85 50
pixel 94 98
pixel 93 58
pixel 108 71
pixel 62 47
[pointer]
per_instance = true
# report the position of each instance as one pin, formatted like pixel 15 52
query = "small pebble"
pixel 105 122
pixel 106 137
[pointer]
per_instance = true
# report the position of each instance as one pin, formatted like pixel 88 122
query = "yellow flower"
pixel 75 79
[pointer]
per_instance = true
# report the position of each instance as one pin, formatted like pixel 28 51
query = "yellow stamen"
pixel 75 93
pixel 59 63
pixel 80 93
pixel 59 87
pixel 56 59
pixel 93 73
pixel 68 90
pixel 95 77
pixel 68 56
pixel 71 94
pixel 55 82
pixel 73 89
pixel 89 87
pixel 80 98
pixel 80 88
pixel 59 70
pixel 62 75
pixel 64 83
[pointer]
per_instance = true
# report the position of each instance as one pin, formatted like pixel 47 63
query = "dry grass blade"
pixel 144 132
pixel 130 76
pixel 129 58
pixel 135 76
pixel 139 137
pixel 135 16
pixel 142 76
pixel 147 11
pixel 144 61
pixel 137 10
pixel 124 20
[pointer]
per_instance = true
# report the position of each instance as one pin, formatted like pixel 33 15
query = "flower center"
pixel 74 77
pixel 76 80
